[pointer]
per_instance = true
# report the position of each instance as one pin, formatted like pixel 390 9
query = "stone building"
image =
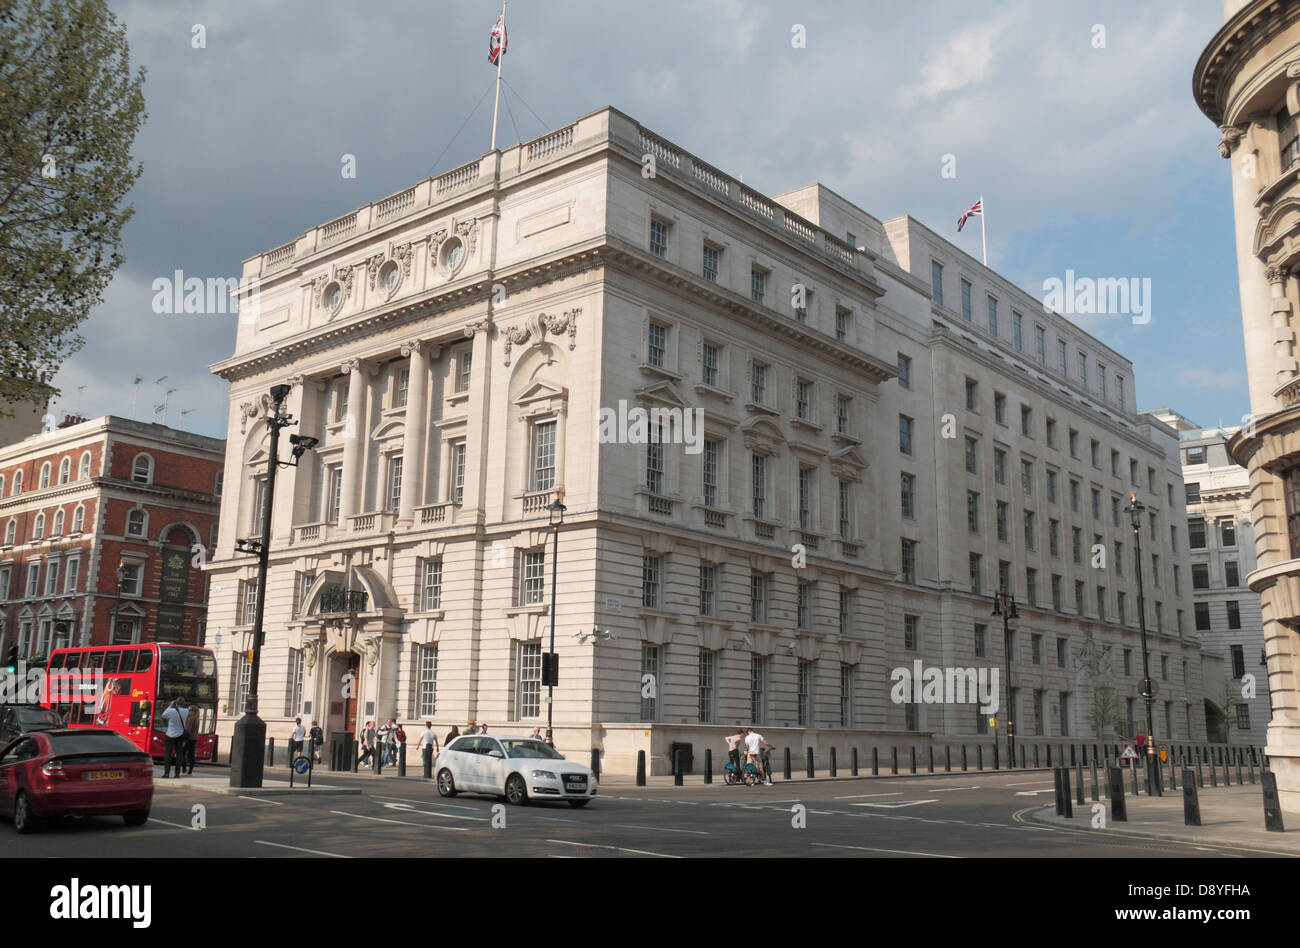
pixel 81 502
pixel 864 432
pixel 1247 81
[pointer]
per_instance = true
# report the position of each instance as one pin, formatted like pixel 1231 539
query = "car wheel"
pixel 579 803
pixel 516 791
pixel 24 820
pixel 136 817
pixel 446 785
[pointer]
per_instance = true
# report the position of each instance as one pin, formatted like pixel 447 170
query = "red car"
pixel 74 772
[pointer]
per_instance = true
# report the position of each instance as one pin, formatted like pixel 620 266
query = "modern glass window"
pixel 529 684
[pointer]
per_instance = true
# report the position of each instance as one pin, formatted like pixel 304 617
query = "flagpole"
pixel 501 55
pixel 983 237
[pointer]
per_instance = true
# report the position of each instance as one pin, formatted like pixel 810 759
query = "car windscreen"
pixel 532 749
pixel 29 718
pixel 91 742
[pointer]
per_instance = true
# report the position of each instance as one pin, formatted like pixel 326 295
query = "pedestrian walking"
pixel 388 738
pixel 317 739
pixel 174 719
pixel 451 735
pixel 537 734
pixel 367 743
pixel 191 736
pixel 471 728
pixel 296 737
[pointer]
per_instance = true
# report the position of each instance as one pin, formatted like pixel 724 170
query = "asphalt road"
pixel 972 815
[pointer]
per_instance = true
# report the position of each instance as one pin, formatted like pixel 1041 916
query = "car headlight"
pixel 543 775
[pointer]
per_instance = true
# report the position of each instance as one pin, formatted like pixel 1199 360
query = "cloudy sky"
pixel 1091 159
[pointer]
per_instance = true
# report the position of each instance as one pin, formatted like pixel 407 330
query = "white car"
pixel 518 768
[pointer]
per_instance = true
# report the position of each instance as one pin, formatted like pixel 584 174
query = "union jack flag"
pixel 976 210
pixel 497 41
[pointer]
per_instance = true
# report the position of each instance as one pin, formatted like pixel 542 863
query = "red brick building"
pixel 103 527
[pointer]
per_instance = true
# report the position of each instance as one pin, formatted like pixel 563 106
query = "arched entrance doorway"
pixel 342 687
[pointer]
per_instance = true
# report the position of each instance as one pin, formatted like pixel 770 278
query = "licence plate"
pixel 106 775
pixel 575 783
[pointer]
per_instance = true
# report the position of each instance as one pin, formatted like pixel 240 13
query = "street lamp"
pixel 1135 509
pixel 248 746
pixel 120 572
pixel 550 662
pixel 1005 606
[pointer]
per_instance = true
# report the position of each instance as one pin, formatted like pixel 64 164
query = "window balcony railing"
pixel 535 502
pixel 336 600
pixel 660 505
pixel 437 513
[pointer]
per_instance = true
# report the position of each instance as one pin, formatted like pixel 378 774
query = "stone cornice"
pixel 1252 25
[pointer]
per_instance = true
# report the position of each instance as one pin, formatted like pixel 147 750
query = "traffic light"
pixel 550 668
pixel 249 655
pixel 11 659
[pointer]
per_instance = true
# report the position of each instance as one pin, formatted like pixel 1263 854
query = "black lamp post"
pixel 120 573
pixel 550 663
pixel 248 745
pixel 1005 606
pixel 1135 509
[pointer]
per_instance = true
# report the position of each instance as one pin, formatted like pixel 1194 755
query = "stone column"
pixel 415 430
pixel 352 425
pixel 561 426
pixel 1284 363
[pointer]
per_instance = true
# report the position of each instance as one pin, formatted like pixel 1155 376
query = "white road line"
pixel 859 796
pixel 179 826
pixel 895 804
pixel 314 852
pixel 407 808
pixel 660 829
pixel 379 819
pixel 557 819
pixel 901 852
pixel 260 800
pixel 1029 783
pixel 950 789
pixel 639 852
pixel 454 806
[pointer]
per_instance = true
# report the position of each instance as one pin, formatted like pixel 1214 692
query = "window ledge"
pixel 839 437
pixel 537 609
pixel 806 423
pixel 704 389
pixel 754 408
pixel 455 398
pixel 431 614
pixel 659 371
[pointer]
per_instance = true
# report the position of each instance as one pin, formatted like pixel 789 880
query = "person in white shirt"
pixel 754 744
pixel 428 739
pixel 295 740
pixel 174 718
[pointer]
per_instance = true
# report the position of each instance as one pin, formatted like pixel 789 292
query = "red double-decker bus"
pixel 138 683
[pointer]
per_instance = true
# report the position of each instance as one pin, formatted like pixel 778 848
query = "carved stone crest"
pixel 373 263
pixel 468 231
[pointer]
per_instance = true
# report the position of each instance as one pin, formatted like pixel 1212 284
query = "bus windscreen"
pixel 191 675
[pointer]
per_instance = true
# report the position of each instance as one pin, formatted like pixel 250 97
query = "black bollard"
pixel 875 761
pixel 1237 761
pixel 1058 792
pixel 996 762
pixel 979 756
pixel 947 758
pixel 787 763
pixel 854 760
pixel 1134 770
pixel 964 768
pixel 1200 773
pixel 677 768
pixel 595 762
pixel 270 752
pixel 1251 762
pixel 401 759
pixel 215 742
pixel 708 762
pixel 1065 791
pixel 809 761
pixel 427 755
pixel 1118 812
pixel 833 762
pixel 1073 761
pixel 1173 773
pixel 913 749
pixel 640 768
pixel 356 757
pixel 931 750
pixel 893 760
pixel 1272 806
pixel 1078 783
pixel 1214 770
pixel 1022 758
pixel 1093 765
pixel 1035 756
pixel 1049 755
pixel 377 758
pixel 1191 803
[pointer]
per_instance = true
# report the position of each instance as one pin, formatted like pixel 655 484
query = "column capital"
pixel 479 325
pixel 348 366
pixel 1276 274
pixel 413 346
pixel 1229 137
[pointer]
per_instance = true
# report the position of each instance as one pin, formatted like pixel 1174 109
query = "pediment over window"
pixel 762 436
pixel 541 398
pixel 847 464
pixel 387 429
pixel 1275 232
pixel 663 392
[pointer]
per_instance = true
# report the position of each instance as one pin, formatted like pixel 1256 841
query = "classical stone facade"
pixel 1247 81
pixel 514 332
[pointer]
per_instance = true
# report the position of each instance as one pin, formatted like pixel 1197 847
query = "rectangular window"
pixel 295 681
pixel 1017 330
pixel 981 641
pixel 1036 648
pixel 69 583
pixel 1078 596
pixel 1031 538
pixel 911 633
pixel 1061 360
pixel 1054 537
pixel 52 578
pixel 1231 575
pixel 965 299
pixel 1027 477
pixel 395 482
pixel 708 583
pixel 975 568
pixel 972 395
pixel 1234 614
pixel 704 688
pixel 532 580
pixel 972 455
pixel 904 434
pixel 1040 344
pixel 972 512
pixel 1288 138
pixel 1196 534
pixel 757 285
pixel 712 452
pixel 846 695
pixel 843 318
pixel 803 399
pixel 904 371
pixel 654 461
pixel 1227 533
pixel 651 580
pixel 659 238
pixel 1201 610
pixel 846 509
pixel 529 693
pixel 335 476
pixel 1074 444
pixel 908 561
pixel 1051 432
pixel 650 667
pixel 999 408
pixel 466 369
pixel 1031 586
pixel 458 472
pixel 993 316
pixel 843 415
pixel 1200 576
pixel 999 466
pixel 1001 517
pixel 431 585
pixel 712 259
pixel 758 383
pixel 1076 544
pixel 804 694
pixel 1083 369
pixel 1057 598
pixel 1004 576
pixel 908 487
pixel 710 359
pixel 1051 487
pixel 1026 421
pixel 426 691
pixel 757 688
pixel 757 598
pixel 803 605
pixel 936 282
pixel 759 485
pixel 402 388
pixel 1101 380
pixel 1238 661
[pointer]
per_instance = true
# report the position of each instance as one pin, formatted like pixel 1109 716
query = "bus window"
pixel 72 660
pixel 140 713
pixel 144 660
pixel 95 660
pixel 111 660
pixel 57 660
pixel 128 662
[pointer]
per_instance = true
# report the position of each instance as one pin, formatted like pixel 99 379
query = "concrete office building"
pixel 1247 81
pixel 865 432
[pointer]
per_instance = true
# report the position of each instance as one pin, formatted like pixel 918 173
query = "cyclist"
pixel 733 748
pixel 754 744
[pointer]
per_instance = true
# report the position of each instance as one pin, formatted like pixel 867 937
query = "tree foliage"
pixel 70 108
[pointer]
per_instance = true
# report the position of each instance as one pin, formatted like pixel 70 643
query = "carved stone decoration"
pixel 404 255
pixel 435 241
pixel 1276 274
pixel 468 231
pixel 350 366
pixel 254 409
pixel 1293 69
pixel 515 335
pixel 345 276
pixel 309 657
pixel 318 287
pixel 371 644
pixel 568 322
pixel 373 263
pixel 1229 136
pixel 479 325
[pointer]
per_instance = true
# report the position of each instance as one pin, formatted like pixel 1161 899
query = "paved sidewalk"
pixel 1230 816
pixel 216 779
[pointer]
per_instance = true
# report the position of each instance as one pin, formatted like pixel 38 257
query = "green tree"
pixel 1104 713
pixel 70 108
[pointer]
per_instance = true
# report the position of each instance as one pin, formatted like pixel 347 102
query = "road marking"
pixel 260 800
pixel 895 804
pixel 379 819
pixel 454 806
pixel 858 796
pixel 639 852
pixel 1031 793
pixel 1028 783
pixel 314 852
pixel 660 829
pixel 180 826
pixel 902 852
pixel 407 808
pixel 952 789
pixel 558 819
